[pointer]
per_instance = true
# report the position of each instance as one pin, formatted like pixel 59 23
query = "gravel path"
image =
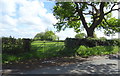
pixel 98 65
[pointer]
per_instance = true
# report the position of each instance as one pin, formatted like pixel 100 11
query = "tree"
pixel 80 35
pixel 48 35
pixel 39 36
pixel 73 14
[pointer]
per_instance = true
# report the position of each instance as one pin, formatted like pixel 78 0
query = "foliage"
pixel 74 14
pixel 14 46
pixel 71 42
pixel 80 35
pixel 48 35
pixel 111 27
pixel 91 42
pixel 94 35
pixel 39 36
pixel 103 38
pixel 39 49
pixel 62 11
pixel 98 50
pixel 45 49
pixel 68 51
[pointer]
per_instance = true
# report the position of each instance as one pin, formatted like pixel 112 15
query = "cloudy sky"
pixel 26 18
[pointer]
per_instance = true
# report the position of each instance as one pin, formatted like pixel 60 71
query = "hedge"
pixel 74 42
pixel 14 46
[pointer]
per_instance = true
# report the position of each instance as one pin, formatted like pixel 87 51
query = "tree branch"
pixel 94 7
pixel 97 22
pixel 90 13
pixel 106 21
pixel 70 18
pixel 112 9
pixel 75 19
pixel 82 18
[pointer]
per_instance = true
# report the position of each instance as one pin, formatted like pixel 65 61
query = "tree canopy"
pixel 48 35
pixel 111 26
pixel 74 14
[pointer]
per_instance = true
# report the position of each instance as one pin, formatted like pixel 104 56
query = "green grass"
pixel 44 49
pixel 41 46
pixel 47 49
pixel 39 49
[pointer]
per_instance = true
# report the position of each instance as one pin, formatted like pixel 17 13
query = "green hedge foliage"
pixel 15 46
pixel 90 42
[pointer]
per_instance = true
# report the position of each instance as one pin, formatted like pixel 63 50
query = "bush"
pixel 7 58
pixel 82 50
pixel 103 38
pixel 91 42
pixel 98 50
pixel 15 46
pixel 67 51
pixel 71 42
pixel 80 35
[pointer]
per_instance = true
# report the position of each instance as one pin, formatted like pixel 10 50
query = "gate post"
pixel 26 45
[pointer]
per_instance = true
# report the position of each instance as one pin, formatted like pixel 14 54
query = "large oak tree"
pixel 74 14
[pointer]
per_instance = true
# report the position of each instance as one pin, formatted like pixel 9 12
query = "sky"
pixel 26 18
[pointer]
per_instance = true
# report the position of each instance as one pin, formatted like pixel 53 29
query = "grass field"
pixel 47 49
pixel 45 46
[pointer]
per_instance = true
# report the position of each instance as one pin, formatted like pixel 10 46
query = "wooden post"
pixel 26 45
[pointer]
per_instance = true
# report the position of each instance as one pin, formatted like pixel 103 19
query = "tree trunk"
pixel 90 30
pixel 90 33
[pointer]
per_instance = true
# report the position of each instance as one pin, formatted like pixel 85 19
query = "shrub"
pixel 7 58
pixel 82 50
pixel 80 35
pixel 91 42
pixel 103 38
pixel 15 46
pixel 98 50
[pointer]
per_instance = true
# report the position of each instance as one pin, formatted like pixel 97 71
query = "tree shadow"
pixel 80 68
pixel 114 57
pixel 86 67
